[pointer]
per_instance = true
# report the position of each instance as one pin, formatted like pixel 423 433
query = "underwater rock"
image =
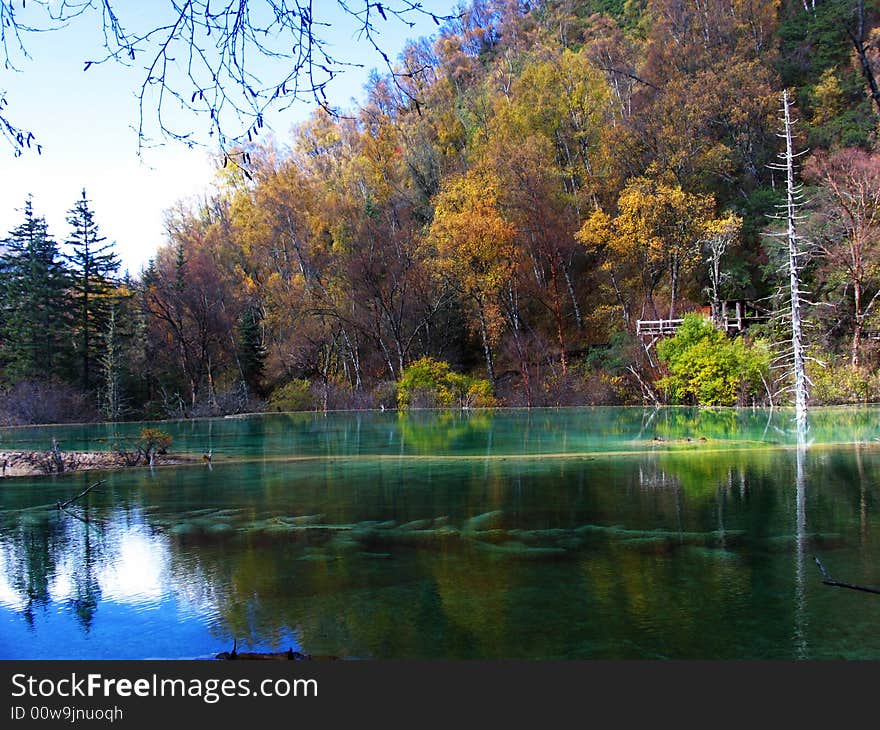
pixel 220 528
pixel 417 525
pixel 649 544
pixel 484 521
pixel 618 532
pixel 716 553
pixel 343 543
pixel 495 536
pixel 413 538
pixel 305 519
pixel 521 551
pixel 380 525
pixel 229 512
pixel 533 537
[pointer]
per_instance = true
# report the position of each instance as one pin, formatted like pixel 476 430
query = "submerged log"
pixel 829 581
pixel 289 655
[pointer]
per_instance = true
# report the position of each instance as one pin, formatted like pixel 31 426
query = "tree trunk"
pixel 574 302
pixel 557 315
pixel 794 253
pixel 858 40
pixel 624 305
pixel 857 327
pixel 484 336
pixel 673 293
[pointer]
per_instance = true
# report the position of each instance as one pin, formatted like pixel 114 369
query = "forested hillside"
pixel 489 227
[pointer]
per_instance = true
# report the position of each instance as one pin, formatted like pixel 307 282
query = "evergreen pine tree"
pixel 252 351
pixel 34 285
pixel 93 265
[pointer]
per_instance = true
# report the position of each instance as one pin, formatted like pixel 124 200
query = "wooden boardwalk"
pixel 735 318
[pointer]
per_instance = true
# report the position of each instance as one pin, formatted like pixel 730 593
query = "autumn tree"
pixel 535 203
pixel 192 305
pixel 566 100
pixel 847 224
pixel 658 225
pixel 475 249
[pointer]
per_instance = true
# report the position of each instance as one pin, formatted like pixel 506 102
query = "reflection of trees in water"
pixel 433 432
pixel 31 553
pixel 38 546
pixel 662 564
pixel 826 425
pixel 460 598
pixel 801 648
pixel 651 477
pixel 86 588
pixel 50 556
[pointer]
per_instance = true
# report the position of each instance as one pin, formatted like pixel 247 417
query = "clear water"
pixel 572 533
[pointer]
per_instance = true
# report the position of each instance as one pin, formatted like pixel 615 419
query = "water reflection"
pixel 661 552
pixel 471 433
pixel 801 651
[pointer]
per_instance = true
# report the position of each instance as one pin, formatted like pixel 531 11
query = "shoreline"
pixel 48 463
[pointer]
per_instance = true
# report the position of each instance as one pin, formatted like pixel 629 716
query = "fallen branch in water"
pixel 829 581
pixel 62 507
pixel 80 495
pixel 75 515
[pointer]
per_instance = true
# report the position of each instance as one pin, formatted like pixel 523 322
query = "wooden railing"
pixel 665 327
pixel 657 327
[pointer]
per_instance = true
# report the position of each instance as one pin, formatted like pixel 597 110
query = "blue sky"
pixel 84 121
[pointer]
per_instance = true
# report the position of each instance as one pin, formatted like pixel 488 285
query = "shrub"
pixel 32 401
pixel 839 383
pixel 152 441
pixel 429 382
pixel 707 368
pixel 296 395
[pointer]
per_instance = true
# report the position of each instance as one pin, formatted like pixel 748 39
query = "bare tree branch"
pixel 226 62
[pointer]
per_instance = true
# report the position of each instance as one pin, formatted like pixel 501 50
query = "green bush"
pixel 707 368
pixel 840 383
pixel 295 395
pixel 430 382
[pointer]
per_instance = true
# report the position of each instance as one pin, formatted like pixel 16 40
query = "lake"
pixel 608 533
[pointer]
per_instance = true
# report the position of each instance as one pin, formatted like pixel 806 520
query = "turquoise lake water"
pixel 606 533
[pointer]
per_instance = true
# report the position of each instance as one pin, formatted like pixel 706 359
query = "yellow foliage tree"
pixel 658 229
pixel 474 246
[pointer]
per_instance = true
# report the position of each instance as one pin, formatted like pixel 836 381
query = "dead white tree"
pixel 795 356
